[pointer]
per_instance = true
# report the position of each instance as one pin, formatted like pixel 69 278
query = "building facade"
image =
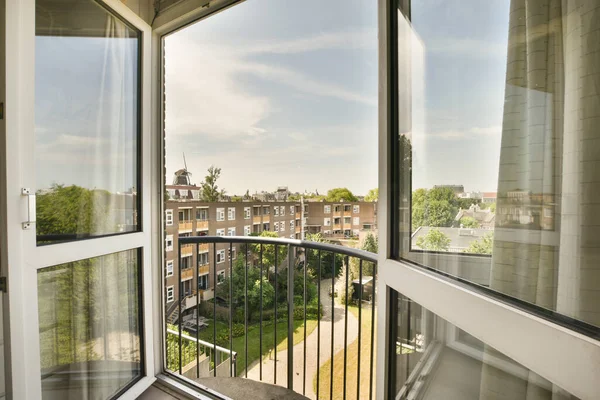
pixel 197 218
pixel 340 218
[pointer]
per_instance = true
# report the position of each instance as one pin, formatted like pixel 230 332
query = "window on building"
pixel 169 217
pixel 247 230
pixel 186 262
pixel 327 221
pixel 246 212
pixel 203 281
pixel 276 226
pixel 327 209
pixel 220 214
pixel 266 211
pixel 292 225
pixel 347 208
pixel 220 232
pixel 220 276
pixel 169 243
pixel 355 232
pixel 337 208
pixel 282 226
pixel 202 259
pixel 170 294
pixel 202 214
pixel 356 209
pixel 292 209
pixel 347 220
pixel 276 211
pixel 169 268
pixel 220 256
pixel 231 231
pixel 282 211
pixel 337 221
pixel 327 232
pixel 266 227
pixel 230 253
pixel 231 213
pixel 356 221
pixel 256 211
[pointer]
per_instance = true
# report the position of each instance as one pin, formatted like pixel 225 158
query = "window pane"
pixel 436 360
pixel 86 122
pixel 499 148
pixel 90 326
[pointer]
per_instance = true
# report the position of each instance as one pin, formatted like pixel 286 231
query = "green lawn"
pixel 351 371
pixel 254 339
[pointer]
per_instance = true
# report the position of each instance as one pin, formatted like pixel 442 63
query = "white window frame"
pixel 282 211
pixel 356 209
pixel 355 220
pixel 282 226
pixel 220 276
pixel 292 209
pixel 170 294
pixel 247 230
pixel 220 214
pixel 169 217
pixel 276 226
pixel 203 255
pixel 327 221
pixel 169 243
pixel 230 251
pixel 247 212
pixel 231 231
pixel 276 211
pixel 540 345
pixel 231 214
pixel 327 209
pixel 220 232
pixel 169 269
pixel 292 225
pixel 220 256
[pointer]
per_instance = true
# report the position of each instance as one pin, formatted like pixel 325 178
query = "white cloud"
pixel 361 39
pixel 471 133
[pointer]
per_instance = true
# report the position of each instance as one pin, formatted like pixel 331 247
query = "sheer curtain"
pixel 547 233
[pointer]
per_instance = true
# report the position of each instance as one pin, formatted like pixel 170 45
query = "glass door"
pixel 80 239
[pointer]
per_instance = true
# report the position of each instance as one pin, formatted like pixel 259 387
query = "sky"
pixel 280 93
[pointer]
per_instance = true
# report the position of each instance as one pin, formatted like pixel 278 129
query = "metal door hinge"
pixel 3 284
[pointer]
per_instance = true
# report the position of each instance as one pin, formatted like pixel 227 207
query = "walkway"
pixel 311 348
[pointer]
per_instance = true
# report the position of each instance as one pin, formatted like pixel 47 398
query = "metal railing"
pixel 295 267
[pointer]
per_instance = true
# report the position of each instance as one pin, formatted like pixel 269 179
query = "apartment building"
pixel 198 218
pixel 340 218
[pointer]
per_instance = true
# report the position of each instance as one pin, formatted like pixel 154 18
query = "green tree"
pixel 339 194
pixel 327 259
pixel 483 245
pixel 370 244
pixel 209 191
pixel 373 195
pixel 435 207
pixel 268 250
pixel 469 222
pixel 434 240
pixel 493 207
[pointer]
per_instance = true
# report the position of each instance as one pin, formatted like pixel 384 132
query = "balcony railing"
pixel 318 332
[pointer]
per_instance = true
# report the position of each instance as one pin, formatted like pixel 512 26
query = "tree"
pixel 434 240
pixel 209 189
pixel 469 222
pixel 435 207
pixel 483 245
pixel 370 244
pixel 340 285
pixel 327 259
pixel 268 250
pixel 339 194
pixel 373 195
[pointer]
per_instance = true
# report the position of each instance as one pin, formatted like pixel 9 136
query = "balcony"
pixel 201 225
pixel 256 219
pixel 185 226
pixel 187 250
pixel 228 332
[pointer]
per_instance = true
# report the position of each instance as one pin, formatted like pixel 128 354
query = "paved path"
pixel 311 348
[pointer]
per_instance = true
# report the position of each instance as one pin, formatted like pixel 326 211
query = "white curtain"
pixel 547 234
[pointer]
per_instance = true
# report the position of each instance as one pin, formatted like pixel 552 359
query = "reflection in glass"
pixel 90 326
pixel 86 122
pixel 499 110
pixel 436 360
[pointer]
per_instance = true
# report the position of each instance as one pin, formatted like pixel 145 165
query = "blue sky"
pixel 283 93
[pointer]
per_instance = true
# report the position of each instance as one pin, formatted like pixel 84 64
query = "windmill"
pixel 182 176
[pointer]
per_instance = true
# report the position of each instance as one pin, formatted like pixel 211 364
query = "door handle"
pixel 30 208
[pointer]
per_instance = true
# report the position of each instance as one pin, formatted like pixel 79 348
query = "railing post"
pixel 290 347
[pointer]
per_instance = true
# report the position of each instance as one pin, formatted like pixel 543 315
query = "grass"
pixel 268 336
pixel 351 370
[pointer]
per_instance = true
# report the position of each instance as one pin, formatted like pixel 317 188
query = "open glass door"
pixel 79 221
pixel 488 264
